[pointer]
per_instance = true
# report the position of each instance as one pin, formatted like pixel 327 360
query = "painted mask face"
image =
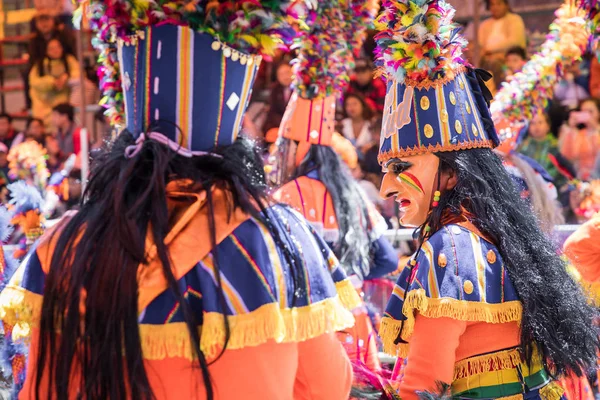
pixel 411 181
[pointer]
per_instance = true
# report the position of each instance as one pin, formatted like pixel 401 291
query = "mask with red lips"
pixel 411 180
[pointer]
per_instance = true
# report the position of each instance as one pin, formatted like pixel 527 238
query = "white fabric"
pixel 364 137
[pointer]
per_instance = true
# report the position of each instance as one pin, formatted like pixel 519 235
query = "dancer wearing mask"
pixel 470 309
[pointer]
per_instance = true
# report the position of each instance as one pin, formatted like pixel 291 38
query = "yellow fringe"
pixel 515 397
pixel 552 391
pixel 461 310
pixel 485 363
pixel 348 294
pixel 268 322
pixel 22 308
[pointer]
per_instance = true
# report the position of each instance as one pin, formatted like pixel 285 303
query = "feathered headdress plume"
pixel 251 26
pixel 592 10
pixel 418 40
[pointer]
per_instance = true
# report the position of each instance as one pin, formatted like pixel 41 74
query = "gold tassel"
pixel 388 332
pixel 551 391
pixel 348 294
pixel 515 397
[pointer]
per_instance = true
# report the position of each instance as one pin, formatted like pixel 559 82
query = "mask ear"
pixel 451 180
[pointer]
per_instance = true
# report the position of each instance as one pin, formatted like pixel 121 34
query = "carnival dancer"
pixel 315 180
pixel 177 278
pixel 486 304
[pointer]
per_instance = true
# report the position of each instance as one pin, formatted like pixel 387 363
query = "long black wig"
pixel 557 320
pixel 125 198
pixel 353 245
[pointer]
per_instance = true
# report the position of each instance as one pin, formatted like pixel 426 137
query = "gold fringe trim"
pixel 461 310
pixel 552 391
pixel 348 294
pixel 388 332
pixel 22 309
pixel 485 363
pixel 515 397
pixel 268 322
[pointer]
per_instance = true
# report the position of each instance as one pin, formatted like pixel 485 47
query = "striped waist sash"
pixel 503 375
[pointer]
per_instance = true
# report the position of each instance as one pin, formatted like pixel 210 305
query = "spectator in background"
pixel 281 92
pixel 515 59
pixel 569 91
pixel 49 80
pixel 44 28
pixel 68 134
pixel 370 88
pixel 497 34
pixel 55 156
pixel 34 130
pixel 580 140
pixel 356 123
pixel 7 132
pixel 542 146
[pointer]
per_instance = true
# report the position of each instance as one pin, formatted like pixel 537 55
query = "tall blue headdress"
pixel 435 101
pixel 184 69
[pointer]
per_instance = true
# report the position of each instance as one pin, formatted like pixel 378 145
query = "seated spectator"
pixel 568 91
pixel 363 83
pixel 580 140
pixel 497 34
pixel 34 130
pixel 542 146
pixel 356 125
pixel 44 28
pixel 49 80
pixel 515 60
pixel 68 134
pixel 281 92
pixel 7 132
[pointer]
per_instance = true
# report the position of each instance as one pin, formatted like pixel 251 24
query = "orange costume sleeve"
pixel 432 354
pixel 583 249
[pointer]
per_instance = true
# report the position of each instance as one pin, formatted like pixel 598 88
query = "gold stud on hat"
pixel 458 126
pixel 428 130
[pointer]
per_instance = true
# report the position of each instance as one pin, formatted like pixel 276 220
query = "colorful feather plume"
pixel 24 198
pixel 592 10
pixel 252 26
pixel 326 41
pixel 6 228
pixel 530 90
pixel 320 68
pixel 417 40
pixel 359 15
pixel 27 162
